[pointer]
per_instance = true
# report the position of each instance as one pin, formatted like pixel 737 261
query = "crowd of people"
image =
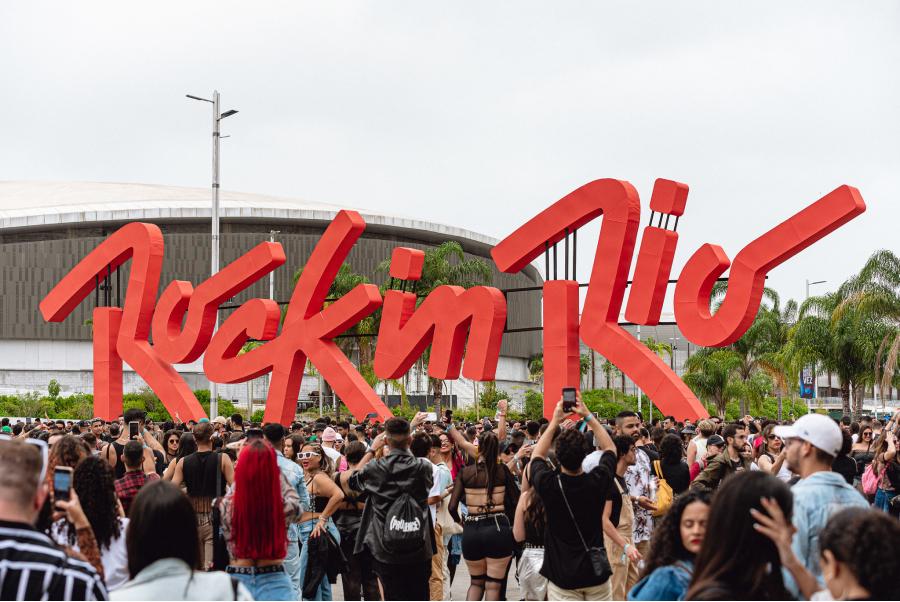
pixel 577 507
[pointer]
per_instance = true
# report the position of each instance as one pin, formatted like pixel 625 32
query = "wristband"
pixel 589 417
pixel 625 549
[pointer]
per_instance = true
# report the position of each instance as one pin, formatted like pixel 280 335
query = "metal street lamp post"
pixel 815 376
pixel 217 117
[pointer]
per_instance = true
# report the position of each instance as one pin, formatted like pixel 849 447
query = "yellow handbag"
pixel 664 494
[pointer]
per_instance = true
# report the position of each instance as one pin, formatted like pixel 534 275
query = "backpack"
pixel 664 494
pixel 405 527
pixel 870 479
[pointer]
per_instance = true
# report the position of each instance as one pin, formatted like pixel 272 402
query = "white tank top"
pixel 700 443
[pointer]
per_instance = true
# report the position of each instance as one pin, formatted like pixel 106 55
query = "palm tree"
pixel 445 264
pixel 713 375
pixel 875 294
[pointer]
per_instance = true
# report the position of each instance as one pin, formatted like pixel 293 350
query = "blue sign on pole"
pixel 807 383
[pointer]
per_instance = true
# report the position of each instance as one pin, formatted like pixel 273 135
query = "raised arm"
pixel 344 477
pixel 502 405
pixel 542 447
pixel 461 442
pixel 602 440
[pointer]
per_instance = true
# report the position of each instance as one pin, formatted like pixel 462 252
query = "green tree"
pixel 53 388
pixel 839 332
pixel 534 404
pixel 445 264
pixel 713 375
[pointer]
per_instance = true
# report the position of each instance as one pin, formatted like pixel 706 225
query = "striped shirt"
pixel 33 568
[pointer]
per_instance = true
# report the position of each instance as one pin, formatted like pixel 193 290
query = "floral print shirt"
pixel 639 479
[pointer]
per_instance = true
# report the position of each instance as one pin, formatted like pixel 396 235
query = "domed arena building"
pixel 46 228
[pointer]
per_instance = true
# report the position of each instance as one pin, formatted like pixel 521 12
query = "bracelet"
pixel 625 549
pixel 589 417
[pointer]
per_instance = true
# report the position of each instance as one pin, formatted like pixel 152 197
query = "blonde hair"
pixel 706 427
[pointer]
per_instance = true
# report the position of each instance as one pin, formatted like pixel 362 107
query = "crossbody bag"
pixel 596 554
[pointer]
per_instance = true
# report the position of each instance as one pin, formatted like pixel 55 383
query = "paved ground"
pixel 460 585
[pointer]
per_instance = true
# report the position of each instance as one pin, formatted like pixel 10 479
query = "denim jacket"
pixel 293 472
pixel 665 583
pixel 816 499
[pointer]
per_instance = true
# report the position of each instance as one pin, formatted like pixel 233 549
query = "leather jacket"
pixel 384 480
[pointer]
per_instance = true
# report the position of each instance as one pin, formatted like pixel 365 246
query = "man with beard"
pixel 639 478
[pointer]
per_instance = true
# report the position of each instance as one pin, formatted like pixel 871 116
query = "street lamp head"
pixel 228 113
pixel 197 98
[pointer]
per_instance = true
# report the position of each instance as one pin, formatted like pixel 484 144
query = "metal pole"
pixel 213 386
pixel 272 234
pixel 640 401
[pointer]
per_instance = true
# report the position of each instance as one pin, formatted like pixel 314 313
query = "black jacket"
pixel 384 480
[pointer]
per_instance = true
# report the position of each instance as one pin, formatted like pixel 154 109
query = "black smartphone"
pixel 370 416
pixel 62 482
pixel 254 434
pixel 134 429
pixel 568 398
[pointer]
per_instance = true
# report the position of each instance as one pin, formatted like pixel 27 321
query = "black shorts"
pixel 490 537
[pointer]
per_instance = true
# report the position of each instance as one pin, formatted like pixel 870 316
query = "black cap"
pixel 274 432
pixel 715 440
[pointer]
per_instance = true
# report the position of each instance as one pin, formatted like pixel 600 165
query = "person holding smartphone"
pixel 134 430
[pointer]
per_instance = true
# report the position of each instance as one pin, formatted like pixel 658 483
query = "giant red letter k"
pixel 307 333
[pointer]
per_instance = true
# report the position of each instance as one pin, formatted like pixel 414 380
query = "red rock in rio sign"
pixel 454 321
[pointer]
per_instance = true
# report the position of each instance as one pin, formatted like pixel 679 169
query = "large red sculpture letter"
pixel 748 274
pixel 143 244
pixel 307 332
pixel 619 204
pixel 442 320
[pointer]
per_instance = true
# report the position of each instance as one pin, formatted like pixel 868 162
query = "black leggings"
pixel 490 537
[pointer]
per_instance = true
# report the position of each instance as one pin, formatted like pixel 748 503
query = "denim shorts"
pixel 267 586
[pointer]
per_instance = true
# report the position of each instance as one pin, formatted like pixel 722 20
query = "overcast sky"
pixel 476 114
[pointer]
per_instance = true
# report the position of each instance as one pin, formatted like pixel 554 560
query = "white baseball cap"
pixel 819 430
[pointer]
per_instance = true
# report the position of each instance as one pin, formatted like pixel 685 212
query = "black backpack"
pixel 405 526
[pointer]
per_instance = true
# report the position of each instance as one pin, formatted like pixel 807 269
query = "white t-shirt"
pixel 435 490
pixel 334 455
pixel 114 558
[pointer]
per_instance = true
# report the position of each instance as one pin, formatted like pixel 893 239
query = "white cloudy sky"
pixel 477 114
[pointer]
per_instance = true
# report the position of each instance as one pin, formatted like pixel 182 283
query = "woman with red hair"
pixel 255 512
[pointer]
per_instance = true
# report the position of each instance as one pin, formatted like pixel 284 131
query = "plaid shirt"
pixel 127 487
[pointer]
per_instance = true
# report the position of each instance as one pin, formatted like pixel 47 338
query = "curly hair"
pixel 94 483
pixel 571 448
pixel 670 449
pixel 666 547
pixel 68 451
pixel 868 542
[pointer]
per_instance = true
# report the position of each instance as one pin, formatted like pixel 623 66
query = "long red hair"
pixel 257 520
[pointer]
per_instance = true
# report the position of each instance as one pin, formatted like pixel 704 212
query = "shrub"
pixel 534 404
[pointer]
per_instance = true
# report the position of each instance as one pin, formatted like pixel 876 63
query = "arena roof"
pixel 42 205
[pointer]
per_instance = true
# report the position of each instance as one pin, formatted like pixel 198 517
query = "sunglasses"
pixel 770 437
pixel 307 455
pixel 867 434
